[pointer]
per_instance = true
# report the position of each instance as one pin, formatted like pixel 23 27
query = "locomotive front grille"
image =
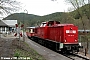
pixel 68 47
pixel 71 47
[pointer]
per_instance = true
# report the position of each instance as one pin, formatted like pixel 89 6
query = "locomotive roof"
pixel 51 21
pixel 43 22
pixel 65 24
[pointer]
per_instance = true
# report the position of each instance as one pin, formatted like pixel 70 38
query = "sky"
pixel 43 7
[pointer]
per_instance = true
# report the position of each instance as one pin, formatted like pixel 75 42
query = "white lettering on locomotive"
pixel 71 31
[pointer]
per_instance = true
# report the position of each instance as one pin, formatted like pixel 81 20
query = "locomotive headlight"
pixel 79 44
pixel 75 40
pixel 65 40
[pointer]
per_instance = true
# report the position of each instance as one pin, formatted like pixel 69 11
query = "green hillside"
pixel 32 20
pixel 64 17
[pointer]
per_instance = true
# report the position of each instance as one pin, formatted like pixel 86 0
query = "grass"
pixel 21 53
pixel 26 51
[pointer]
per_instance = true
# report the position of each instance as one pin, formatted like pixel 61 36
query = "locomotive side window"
pixel 51 23
pixel 43 24
pixel 27 30
pixel 31 30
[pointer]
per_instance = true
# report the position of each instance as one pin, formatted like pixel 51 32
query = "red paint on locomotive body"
pixel 62 37
pixel 63 33
pixel 71 34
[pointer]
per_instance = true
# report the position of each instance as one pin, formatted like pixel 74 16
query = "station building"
pixel 7 26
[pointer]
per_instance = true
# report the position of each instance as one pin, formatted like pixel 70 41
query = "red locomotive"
pixel 61 37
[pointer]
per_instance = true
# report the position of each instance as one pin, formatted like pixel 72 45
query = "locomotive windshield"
pixel 43 24
pixel 51 23
pixel 31 30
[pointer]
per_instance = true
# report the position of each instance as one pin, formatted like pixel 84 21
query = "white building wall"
pixel 10 23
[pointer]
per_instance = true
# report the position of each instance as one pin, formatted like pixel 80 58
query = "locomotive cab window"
pixel 51 23
pixel 43 24
pixel 31 30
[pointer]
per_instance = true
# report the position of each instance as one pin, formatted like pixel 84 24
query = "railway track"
pixel 70 55
pixel 76 56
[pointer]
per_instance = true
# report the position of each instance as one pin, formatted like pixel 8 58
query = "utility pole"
pixel 25 11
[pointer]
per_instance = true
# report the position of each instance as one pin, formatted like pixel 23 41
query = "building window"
pixel 7 29
pixel 3 28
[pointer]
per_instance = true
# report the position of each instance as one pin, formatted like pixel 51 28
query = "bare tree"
pixel 8 6
pixel 87 10
pixel 77 4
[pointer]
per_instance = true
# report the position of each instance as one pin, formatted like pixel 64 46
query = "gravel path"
pixel 9 46
pixel 6 49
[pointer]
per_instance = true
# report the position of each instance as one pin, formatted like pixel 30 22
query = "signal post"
pixel 18 30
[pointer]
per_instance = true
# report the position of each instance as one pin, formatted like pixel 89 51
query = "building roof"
pixel 10 23
pixel 2 23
